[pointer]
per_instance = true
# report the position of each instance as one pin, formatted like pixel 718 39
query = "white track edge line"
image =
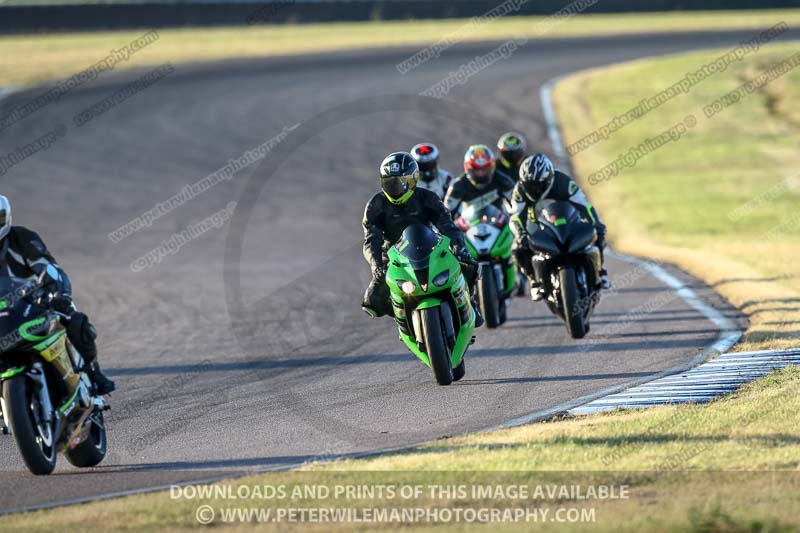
pixel 729 331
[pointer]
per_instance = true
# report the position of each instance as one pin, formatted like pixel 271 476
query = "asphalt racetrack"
pixel 245 348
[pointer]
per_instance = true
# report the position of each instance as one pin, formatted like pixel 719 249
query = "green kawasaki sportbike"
pixel 48 403
pixel 430 300
pixel 489 239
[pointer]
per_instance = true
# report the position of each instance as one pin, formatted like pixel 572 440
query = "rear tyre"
pixel 489 301
pixel 438 354
pixel 459 371
pixel 36 442
pixel 573 314
pixel 93 450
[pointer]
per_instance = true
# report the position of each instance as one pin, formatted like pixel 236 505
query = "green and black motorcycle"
pixel 431 301
pixel 48 403
pixel 488 238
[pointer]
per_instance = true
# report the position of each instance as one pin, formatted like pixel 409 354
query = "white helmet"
pixel 5 216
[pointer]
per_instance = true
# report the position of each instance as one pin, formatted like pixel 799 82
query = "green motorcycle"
pixel 431 302
pixel 488 238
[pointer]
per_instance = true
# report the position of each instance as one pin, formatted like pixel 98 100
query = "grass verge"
pixel 33 59
pixel 727 466
pixel 722 201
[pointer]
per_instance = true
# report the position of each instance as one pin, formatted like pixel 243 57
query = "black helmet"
pixel 427 156
pixel 536 176
pixel 512 147
pixel 399 175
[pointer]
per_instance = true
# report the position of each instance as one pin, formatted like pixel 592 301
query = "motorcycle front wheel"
pixel 573 313
pixel 438 354
pixel 35 439
pixel 488 299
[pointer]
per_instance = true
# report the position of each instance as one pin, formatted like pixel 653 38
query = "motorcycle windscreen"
pixel 416 245
pixel 473 213
pixel 12 305
pixel 558 217
pixel 581 236
pixel 544 241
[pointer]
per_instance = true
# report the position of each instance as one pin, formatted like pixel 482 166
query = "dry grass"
pixel 33 59
pixel 684 203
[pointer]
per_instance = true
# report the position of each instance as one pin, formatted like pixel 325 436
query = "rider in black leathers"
pixel 480 183
pixel 399 204
pixel 23 254
pixel 538 180
pixel 511 147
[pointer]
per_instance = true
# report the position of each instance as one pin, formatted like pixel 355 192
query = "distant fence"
pixel 32 18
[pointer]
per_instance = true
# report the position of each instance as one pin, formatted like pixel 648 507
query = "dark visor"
pixel 535 189
pixel 395 186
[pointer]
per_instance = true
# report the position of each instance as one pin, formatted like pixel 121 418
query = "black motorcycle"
pixel 567 261
pixel 48 403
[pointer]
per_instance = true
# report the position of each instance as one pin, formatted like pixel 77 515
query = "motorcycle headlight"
pixel 442 278
pixel 408 287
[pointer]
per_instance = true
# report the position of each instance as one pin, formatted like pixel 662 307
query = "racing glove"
pixel 464 257
pixel 63 304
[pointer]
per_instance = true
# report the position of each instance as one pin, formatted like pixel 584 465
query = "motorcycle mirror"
pixel 52 272
pixel 49 272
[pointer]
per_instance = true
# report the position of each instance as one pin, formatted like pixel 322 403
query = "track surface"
pixel 209 384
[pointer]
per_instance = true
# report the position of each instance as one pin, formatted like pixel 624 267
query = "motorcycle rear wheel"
pixel 93 450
